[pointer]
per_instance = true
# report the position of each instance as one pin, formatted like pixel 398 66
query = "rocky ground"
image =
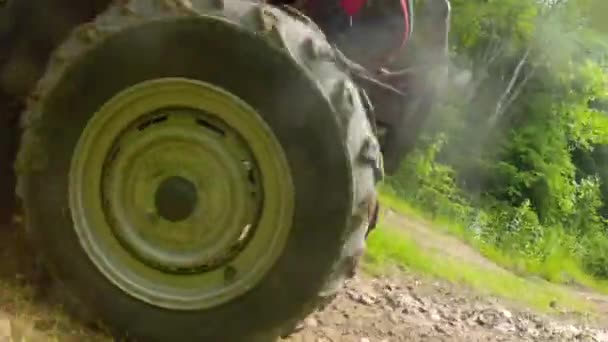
pixel 409 308
pixel 401 306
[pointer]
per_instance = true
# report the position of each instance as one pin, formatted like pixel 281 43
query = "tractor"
pixel 206 170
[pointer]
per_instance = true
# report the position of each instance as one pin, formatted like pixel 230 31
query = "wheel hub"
pixel 159 169
pixel 180 194
pixel 176 198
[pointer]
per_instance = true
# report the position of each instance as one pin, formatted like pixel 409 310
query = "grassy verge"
pixel 388 199
pixel 392 246
pixel 558 267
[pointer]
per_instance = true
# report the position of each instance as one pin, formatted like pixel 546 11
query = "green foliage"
pixel 429 184
pixel 595 255
pixel 520 155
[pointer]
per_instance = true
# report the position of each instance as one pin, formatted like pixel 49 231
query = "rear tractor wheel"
pixel 197 172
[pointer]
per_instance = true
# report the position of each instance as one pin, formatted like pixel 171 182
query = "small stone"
pixel 573 330
pixel 439 329
pixel 5 329
pixel 365 339
pixel 399 300
pixel 435 316
pixel 311 322
pixel 505 327
pixel 507 314
pixel 602 336
pixel 367 300
pixel 330 334
pixel 394 318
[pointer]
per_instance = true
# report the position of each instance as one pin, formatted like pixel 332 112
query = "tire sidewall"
pixel 308 132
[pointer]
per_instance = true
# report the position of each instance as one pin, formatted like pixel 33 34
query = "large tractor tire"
pixel 197 171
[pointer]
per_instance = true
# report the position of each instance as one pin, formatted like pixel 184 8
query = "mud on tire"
pixel 280 65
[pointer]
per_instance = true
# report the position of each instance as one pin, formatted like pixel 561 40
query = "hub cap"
pixel 180 193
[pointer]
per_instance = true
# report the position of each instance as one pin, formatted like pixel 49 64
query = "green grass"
pixel 559 267
pixel 389 199
pixel 392 246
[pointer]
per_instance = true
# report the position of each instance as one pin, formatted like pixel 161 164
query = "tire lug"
pixel 342 99
pixel 369 151
pixel 317 50
pixel 89 33
pixel 370 154
pixel 268 19
pixel 59 57
pixel 267 22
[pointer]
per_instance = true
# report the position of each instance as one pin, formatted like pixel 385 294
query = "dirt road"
pixel 398 307
pixel 409 308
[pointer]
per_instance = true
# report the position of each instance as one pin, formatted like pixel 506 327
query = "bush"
pixel 430 185
pixel 595 255
pixel 512 235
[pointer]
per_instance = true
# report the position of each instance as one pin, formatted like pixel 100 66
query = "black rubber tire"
pixel 282 66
